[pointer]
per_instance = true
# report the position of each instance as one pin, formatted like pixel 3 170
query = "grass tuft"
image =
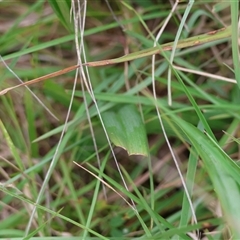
pixel 131 127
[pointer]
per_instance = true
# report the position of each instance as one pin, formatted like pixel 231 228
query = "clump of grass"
pixel 181 120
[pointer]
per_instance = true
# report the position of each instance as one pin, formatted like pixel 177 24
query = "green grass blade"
pixel 139 199
pixel 222 33
pixel 223 172
pixel 195 105
pixel 12 147
pixel 62 10
pixel 235 37
pixel 53 213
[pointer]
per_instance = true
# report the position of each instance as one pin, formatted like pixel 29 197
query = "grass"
pixel 66 172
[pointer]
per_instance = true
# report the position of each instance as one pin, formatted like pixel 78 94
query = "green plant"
pixel 169 109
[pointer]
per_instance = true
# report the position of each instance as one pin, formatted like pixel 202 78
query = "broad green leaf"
pixel 126 129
